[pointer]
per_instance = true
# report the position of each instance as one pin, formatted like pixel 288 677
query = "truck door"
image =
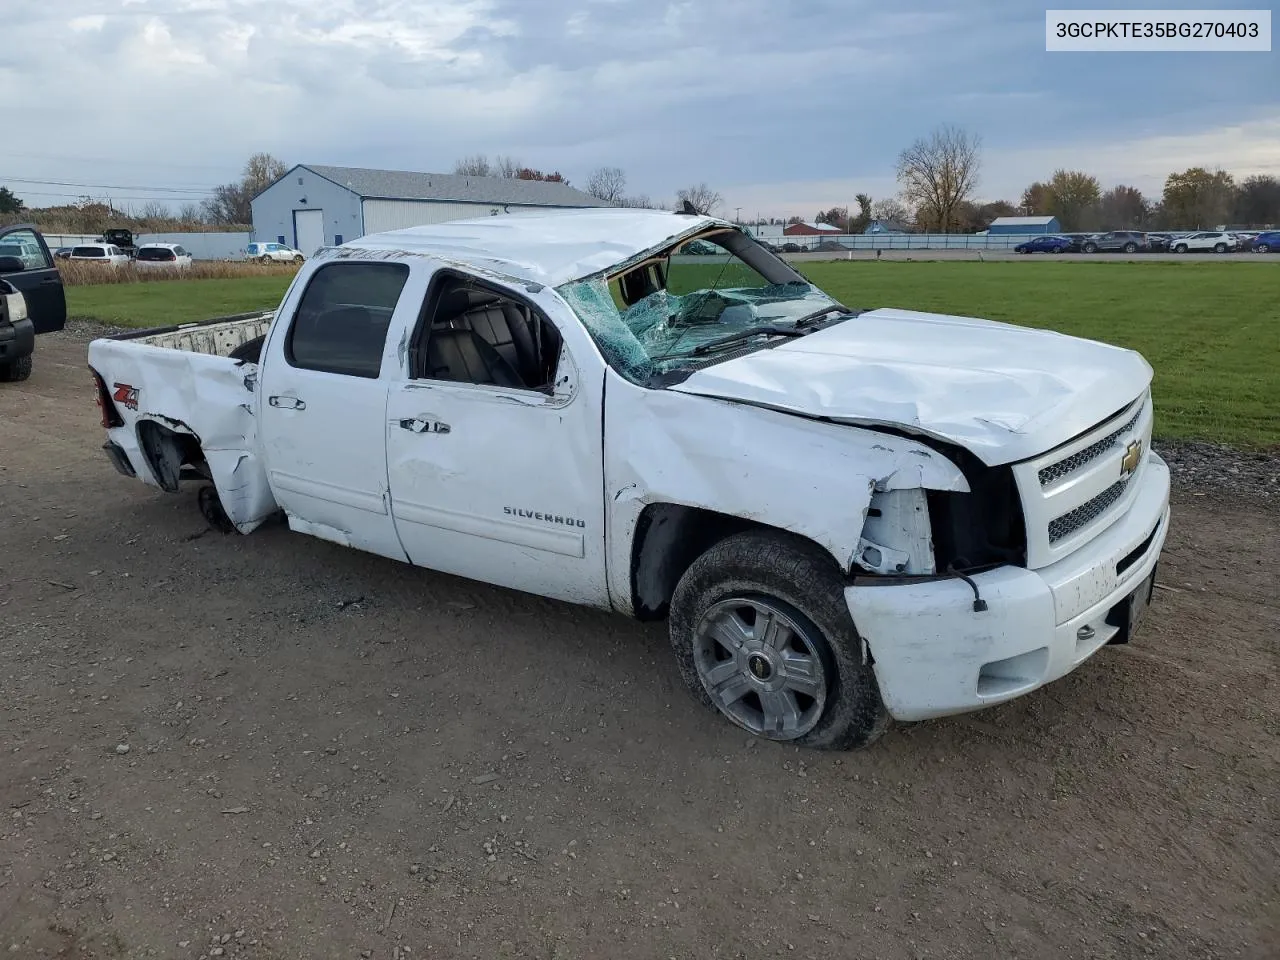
pixel 39 281
pixel 494 446
pixel 322 399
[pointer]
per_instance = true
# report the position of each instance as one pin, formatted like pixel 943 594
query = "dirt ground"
pixel 333 755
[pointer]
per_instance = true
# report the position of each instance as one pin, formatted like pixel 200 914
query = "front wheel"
pixel 298 258
pixel 1219 248
pixel 761 633
pixel 1261 248
pixel 1180 248
pixel 16 370
pixel 1090 248
pixel 1130 248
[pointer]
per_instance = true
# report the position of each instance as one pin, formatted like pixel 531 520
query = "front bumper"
pixel 17 340
pixel 934 656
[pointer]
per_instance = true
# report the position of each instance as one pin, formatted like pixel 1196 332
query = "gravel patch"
pixel 80 328
pixel 1211 468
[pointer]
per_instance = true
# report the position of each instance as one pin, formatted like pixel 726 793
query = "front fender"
pixel 810 477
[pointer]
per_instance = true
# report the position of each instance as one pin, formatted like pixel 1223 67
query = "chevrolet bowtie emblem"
pixel 1132 457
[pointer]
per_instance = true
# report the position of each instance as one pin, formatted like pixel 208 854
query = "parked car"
pixel 1115 241
pixel 698 248
pixel 830 246
pixel 273 253
pixel 791 248
pixel 62 253
pixel 32 300
pixel 1046 244
pixel 1244 241
pixel 1204 242
pixel 1267 242
pixel 107 254
pixel 1158 242
pixel 162 256
pixel 951 512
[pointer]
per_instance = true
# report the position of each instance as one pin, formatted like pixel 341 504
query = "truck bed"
pixel 168 383
pixel 216 337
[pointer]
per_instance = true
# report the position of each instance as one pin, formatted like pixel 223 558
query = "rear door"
pixel 322 399
pixel 39 281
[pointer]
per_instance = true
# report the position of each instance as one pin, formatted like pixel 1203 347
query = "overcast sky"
pixel 784 106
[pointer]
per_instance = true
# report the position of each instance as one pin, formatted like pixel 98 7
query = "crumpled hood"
pixel 1004 392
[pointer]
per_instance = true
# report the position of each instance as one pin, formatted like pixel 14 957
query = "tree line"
pixel 937 176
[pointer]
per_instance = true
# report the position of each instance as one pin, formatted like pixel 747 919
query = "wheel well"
pixel 668 538
pixel 167 451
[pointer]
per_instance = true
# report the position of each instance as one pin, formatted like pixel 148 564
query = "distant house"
pixel 313 206
pixel 1027 225
pixel 885 226
pixel 809 229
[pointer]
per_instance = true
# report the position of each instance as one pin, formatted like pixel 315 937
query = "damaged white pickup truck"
pixel 847 515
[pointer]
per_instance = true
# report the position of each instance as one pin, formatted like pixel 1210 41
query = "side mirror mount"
pixel 11 265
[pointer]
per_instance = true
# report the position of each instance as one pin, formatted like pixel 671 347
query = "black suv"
pixel 26 268
pixel 1115 241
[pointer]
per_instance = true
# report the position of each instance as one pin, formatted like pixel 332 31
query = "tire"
pixel 1130 248
pixel 1219 248
pixel 1261 248
pixel 1090 248
pixel 299 258
pixel 16 370
pixel 212 511
pixel 265 260
pixel 799 589
pixel 1180 248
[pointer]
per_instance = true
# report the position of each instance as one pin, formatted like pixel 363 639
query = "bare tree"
pixel 607 184
pixel 940 171
pixel 189 213
pixel 890 210
pixel 230 203
pixel 701 197
pixel 506 167
pixel 640 201
pixel 261 171
pixel 476 165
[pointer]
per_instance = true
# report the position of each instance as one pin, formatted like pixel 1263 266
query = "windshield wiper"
pixel 817 315
pixel 728 338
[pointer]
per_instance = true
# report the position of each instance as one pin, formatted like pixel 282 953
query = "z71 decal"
pixel 126 395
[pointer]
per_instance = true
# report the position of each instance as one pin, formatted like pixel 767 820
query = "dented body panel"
pixel 204 395
pixel 1001 391
pixel 897 442
pixel 811 478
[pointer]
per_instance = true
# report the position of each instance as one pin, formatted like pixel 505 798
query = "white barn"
pixel 314 205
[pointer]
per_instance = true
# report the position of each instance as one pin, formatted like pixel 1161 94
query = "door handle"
pixel 287 403
pixel 423 425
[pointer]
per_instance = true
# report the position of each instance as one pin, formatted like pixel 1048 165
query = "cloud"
pixel 781 106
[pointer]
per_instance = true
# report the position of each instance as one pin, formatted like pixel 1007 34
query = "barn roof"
pixel 409 185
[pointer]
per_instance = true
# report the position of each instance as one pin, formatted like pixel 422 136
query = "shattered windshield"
pixel 671 310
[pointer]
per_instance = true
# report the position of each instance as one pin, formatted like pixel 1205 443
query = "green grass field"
pixel 1210 330
pixel 178 301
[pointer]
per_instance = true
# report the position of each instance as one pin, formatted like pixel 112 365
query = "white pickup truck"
pixel 846 515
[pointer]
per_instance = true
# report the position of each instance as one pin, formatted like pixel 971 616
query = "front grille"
pixel 1056 471
pixel 1087 512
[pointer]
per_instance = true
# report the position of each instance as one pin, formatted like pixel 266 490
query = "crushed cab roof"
pixel 551 248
